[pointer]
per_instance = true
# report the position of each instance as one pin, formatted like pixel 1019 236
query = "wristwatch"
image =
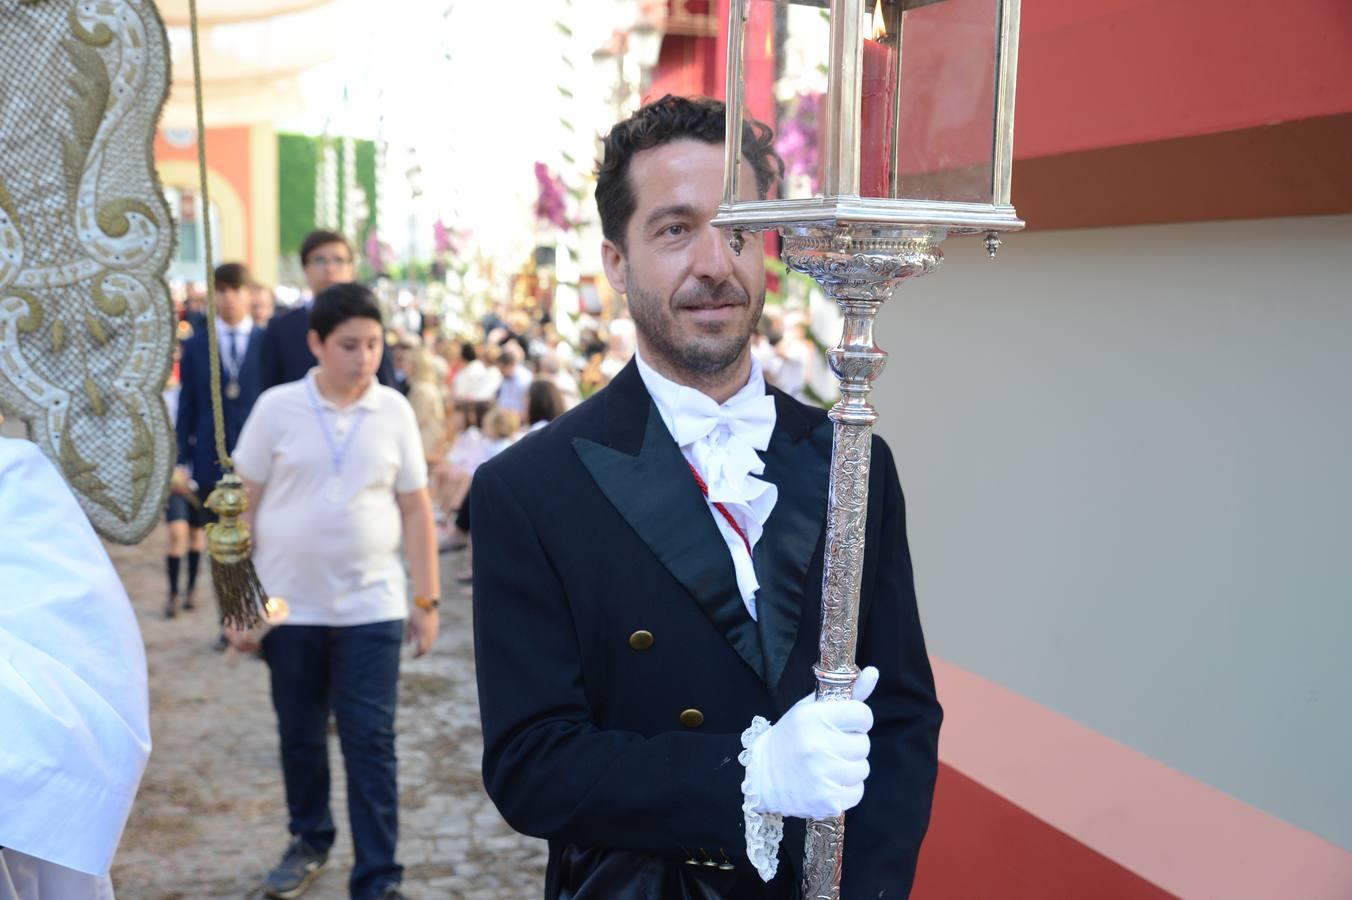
pixel 428 603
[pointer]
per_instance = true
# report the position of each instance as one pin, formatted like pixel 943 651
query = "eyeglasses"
pixel 328 261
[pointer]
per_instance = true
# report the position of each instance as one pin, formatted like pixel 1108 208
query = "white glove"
pixel 813 761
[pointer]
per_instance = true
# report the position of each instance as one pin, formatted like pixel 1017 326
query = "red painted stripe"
pixel 1117 72
pixel 1166 826
pixel 980 845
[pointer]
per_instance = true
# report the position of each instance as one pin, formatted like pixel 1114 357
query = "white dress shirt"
pixel 721 443
pixel 233 342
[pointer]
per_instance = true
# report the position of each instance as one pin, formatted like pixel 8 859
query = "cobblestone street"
pixel 210 819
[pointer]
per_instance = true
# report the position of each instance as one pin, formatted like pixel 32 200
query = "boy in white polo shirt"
pixel 335 471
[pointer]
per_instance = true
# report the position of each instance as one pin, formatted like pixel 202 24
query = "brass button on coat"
pixel 692 718
pixel 641 640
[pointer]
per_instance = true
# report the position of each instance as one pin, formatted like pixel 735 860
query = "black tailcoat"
pixel 592 530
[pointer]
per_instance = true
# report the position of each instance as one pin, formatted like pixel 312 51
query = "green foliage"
pixel 419 272
pixel 297 163
pixel 366 177
pixel 340 165
pixel 298 158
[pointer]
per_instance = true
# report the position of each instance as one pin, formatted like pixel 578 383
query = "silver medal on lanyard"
pixel 334 492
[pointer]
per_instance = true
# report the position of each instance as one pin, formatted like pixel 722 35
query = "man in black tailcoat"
pixel 647 582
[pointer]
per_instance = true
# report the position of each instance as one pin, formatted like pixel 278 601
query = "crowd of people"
pixel 472 395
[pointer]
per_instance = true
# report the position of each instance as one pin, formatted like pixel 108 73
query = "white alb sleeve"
pixel 74 704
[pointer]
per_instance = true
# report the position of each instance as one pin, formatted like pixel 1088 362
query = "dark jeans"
pixel 355 672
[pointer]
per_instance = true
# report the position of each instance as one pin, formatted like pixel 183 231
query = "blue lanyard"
pixel 336 454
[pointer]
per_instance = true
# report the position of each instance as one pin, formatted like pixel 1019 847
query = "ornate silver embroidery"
pixel 858 267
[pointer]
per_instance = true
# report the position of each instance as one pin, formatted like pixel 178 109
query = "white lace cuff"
pixel 764 831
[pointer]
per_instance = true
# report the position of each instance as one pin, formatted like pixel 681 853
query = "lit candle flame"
pixel 276 610
pixel 879 21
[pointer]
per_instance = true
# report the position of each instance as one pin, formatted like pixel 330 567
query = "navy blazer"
pixel 592 530
pixel 195 426
pixel 286 355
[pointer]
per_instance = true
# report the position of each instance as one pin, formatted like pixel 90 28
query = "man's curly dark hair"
pixel 660 122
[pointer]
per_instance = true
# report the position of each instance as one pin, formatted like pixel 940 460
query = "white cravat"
pixel 721 442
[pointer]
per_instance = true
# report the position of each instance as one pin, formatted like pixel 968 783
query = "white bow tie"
pixel 752 419
pixel 721 444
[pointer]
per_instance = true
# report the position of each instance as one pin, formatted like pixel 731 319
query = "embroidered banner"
pixel 86 323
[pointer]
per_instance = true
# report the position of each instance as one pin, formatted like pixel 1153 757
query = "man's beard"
pixel 700 356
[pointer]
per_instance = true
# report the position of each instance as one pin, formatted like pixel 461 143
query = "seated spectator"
pixel 544 404
pixel 794 358
pixel 464 456
pixel 553 371
pixel 622 343
pixel 476 382
pixel 468 447
pixel 429 406
pixel 500 428
pixel 516 379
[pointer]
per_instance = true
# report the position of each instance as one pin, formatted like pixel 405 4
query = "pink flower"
pixel 551 205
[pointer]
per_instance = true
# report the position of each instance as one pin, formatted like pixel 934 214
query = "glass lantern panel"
pixel 943 139
pixel 785 52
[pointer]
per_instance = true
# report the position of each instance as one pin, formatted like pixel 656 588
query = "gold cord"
pixel 217 407
pixel 229 544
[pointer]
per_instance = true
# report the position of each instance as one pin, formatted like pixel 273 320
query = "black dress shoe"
pixel 171 608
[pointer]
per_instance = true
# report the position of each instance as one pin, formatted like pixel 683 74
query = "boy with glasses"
pixel 326 258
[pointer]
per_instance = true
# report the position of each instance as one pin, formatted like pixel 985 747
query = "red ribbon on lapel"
pixel 704 488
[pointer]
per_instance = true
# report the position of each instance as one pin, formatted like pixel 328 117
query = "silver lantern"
pixel 896 122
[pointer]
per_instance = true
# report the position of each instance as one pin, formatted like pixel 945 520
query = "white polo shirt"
pixel 329 542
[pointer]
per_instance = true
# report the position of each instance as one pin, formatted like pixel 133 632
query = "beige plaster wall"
pixel 1128 461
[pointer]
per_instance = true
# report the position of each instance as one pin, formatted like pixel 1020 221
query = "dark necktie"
pixel 231 346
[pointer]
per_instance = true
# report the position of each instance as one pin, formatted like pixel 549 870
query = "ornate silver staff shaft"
pixel 858 267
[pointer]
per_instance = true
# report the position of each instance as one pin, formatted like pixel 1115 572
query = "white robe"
pixel 74 707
